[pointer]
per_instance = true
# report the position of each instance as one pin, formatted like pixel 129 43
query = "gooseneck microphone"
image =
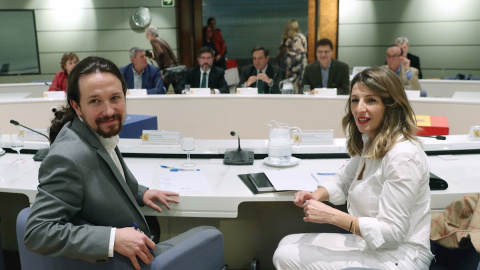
pixel 239 156
pixel 438 137
pixel 18 124
pixel 41 153
pixel 233 134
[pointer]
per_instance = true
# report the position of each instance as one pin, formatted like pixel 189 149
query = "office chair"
pixel 203 250
pixel 423 93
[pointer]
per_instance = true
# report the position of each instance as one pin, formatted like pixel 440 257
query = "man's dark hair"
pixel 206 49
pixel 261 48
pixel 210 20
pixel 323 42
pixel 89 65
pixel 395 45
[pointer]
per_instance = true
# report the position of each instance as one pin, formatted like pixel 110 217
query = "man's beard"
pixel 112 130
pixel 206 67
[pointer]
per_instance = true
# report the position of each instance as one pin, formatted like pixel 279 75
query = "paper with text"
pixel 181 181
pixel 291 180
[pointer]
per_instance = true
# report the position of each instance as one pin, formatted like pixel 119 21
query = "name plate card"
pixel 137 92
pixel 55 94
pixel 310 137
pixel 29 135
pixel 200 91
pixel 247 91
pixel 474 133
pixel 329 92
pixel 161 137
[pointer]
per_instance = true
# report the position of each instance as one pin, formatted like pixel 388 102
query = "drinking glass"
pixel 16 143
pixel 306 89
pixel 188 145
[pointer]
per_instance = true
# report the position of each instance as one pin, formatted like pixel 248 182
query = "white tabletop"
pixel 228 191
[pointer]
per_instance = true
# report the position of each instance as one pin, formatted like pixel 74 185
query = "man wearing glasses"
pixel 205 75
pixel 408 75
pixel 327 72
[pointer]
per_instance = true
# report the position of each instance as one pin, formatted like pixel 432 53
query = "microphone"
pixel 438 137
pixel 239 156
pixel 18 124
pixel 41 153
pixel 233 134
pixel 54 87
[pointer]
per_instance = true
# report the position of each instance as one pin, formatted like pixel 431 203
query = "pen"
pixel 173 169
pixel 138 230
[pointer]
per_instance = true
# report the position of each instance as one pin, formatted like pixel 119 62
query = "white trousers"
pixel 338 251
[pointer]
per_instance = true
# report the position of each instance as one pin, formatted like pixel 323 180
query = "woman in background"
pixel 59 83
pixel 385 184
pixel 208 41
pixel 293 53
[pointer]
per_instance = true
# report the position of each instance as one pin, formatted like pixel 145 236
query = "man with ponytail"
pixel 88 200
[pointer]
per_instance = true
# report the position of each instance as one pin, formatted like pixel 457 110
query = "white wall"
pixel 90 27
pixel 443 33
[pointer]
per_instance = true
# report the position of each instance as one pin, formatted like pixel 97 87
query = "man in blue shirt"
pixel 140 75
pixel 327 72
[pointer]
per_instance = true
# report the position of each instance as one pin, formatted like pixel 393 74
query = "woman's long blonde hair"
pixel 399 118
pixel 291 30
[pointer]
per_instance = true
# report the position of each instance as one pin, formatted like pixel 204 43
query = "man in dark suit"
pixel 206 75
pixel 88 200
pixel 140 75
pixel 327 72
pixel 264 77
pixel 410 60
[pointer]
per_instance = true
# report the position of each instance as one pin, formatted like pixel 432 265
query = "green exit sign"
pixel 168 3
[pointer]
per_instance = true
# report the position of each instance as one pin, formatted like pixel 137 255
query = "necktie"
pixel 260 85
pixel 204 80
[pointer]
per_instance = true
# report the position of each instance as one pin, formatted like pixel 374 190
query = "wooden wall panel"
pixel 329 23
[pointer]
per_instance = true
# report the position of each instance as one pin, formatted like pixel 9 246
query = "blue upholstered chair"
pixel 423 93
pixel 203 250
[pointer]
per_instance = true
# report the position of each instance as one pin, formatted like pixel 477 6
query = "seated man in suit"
pixel 264 77
pixel 409 60
pixel 206 75
pixel 141 75
pixel 88 207
pixel 327 72
pixel 408 76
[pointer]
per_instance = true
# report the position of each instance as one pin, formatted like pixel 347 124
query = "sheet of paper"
pixel 448 157
pixel 184 181
pixel 320 176
pixel 291 180
pixel 143 175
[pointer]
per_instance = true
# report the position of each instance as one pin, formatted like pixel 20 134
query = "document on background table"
pixel 291 180
pixel 183 181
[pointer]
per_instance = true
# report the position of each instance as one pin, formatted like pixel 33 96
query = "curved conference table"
pixel 252 224
pixel 214 116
